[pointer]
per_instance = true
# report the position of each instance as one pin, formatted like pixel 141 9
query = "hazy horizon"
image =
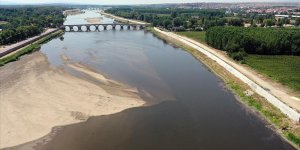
pixel 115 2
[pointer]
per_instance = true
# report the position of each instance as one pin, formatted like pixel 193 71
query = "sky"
pixel 103 2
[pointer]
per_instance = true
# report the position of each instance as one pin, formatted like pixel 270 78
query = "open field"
pixel 284 69
pixel 196 35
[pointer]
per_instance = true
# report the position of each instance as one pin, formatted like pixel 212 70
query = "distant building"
pixel 286 16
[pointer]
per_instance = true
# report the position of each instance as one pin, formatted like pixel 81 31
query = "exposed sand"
pixel 35 97
pixel 123 19
pixel 96 20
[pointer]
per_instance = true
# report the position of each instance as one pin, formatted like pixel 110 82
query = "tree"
pixel 297 22
pixel 174 14
pixel 275 41
pixel 167 23
pixel 177 22
pixel 25 22
pixel 268 22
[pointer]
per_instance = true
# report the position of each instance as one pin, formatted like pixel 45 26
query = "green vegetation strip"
pixel 281 68
pixel 28 49
pixel 287 128
pixel 272 114
pixel 195 35
pixel 284 69
pixel 271 41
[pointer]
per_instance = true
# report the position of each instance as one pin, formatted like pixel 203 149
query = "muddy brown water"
pixel 190 108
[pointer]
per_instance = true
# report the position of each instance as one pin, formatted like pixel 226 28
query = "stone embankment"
pixel 279 99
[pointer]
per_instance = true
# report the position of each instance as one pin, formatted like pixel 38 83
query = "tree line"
pixel 268 41
pixel 24 22
pixel 178 19
pixel 198 19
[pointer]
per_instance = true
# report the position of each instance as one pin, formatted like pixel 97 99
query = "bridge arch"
pixel 75 28
pixel 83 28
pixel 101 27
pixel 67 28
pixel 118 27
pixel 93 28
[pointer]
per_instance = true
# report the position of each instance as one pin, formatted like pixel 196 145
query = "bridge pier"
pixel 128 27
pixel 114 27
pixel 97 28
pixel 88 28
pixel 104 27
pixel 79 29
pixel 71 28
pixel 122 27
pixel 134 27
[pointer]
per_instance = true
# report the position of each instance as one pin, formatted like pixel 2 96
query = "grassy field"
pixel 196 35
pixel 284 69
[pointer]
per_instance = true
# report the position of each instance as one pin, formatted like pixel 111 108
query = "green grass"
pixel 293 138
pixel 284 69
pixel 28 49
pixel 270 112
pixel 196 35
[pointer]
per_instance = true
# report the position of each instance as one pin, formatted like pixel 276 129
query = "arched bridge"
pixel 101 27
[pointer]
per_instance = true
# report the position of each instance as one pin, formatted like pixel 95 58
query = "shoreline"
pixel 124 20
pixel 40 99
pixel 95 20
pixel 238 87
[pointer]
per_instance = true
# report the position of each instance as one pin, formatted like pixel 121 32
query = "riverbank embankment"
pixel 281 100
pixel 27 47
pixel 285 126
pixel 6 49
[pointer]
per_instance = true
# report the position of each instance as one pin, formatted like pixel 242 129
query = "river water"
pixel 189 108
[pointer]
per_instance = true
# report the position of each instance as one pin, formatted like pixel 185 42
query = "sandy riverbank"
pixel 123 19
pixel 36 97
pixel 96 20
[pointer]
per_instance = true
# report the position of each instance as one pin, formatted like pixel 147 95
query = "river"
pixel 187 106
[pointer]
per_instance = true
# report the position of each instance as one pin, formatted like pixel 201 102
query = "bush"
pixel 238 56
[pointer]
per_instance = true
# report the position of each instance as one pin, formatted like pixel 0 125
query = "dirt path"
pixel 36 97
pixel 289 103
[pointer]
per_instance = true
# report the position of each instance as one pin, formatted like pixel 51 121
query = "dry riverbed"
pixel 96 20
pixel 36 97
